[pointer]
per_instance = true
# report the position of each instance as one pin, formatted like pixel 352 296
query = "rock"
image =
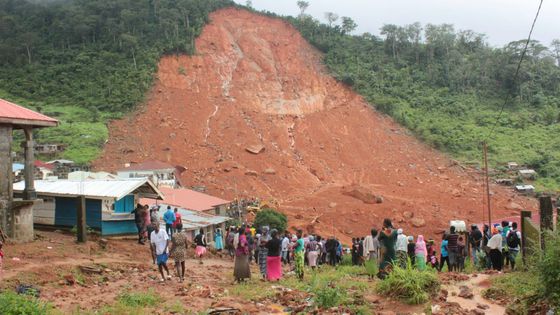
pixel 270 171
pixel 476 311
pixel 408 215
pixel 299 216
pixel 360 193
pixel 418 222
pixel 514 206
pixel 378 199
pixel 227 169
pixel 255 149
pixel 70 280
pixel 465 292
pixel 443 295
pixel 251 173
pixel 482 306
pixel 456 193
pixel 332 204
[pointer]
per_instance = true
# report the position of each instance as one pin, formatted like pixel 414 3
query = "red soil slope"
pixel 256 81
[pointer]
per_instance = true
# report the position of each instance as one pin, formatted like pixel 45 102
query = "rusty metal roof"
pixel 13 114
pixel 190 199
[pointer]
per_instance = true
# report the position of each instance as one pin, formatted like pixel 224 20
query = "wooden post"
pixel 524 214
pixel 545 207
pixel 487 180
pixel 81 219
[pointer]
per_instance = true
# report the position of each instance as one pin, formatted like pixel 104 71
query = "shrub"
pixel 549 269
pixel 409 285
pixel 371 268
pixel 271 218
pixel 15 304
pixel 138 299
pixel 328 297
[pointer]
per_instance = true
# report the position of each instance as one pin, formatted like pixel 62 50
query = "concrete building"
pixel 16 215
pixel 161 174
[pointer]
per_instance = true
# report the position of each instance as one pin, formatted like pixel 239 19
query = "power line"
pixel 516 75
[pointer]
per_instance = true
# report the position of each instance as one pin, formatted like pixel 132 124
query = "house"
pixel 194 221
pixel 61 168
pixel 81 175
pixel 512 166
pixel 162 174
pixel 108 203
pixel 527 189
pixel 49 148
pixel 527 174
pixel 195 201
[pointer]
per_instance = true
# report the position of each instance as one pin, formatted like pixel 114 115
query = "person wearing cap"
pixel 495 246
pixel 476 240
pixel 402 248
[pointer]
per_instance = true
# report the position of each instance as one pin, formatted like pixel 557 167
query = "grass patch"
pixel 409 285
pixel 16 304
pixel 138 299
pixel 253 290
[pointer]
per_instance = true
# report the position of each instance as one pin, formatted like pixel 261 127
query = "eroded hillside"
pixel 256 81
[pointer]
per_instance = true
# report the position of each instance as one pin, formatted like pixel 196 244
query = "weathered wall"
pixel 5 177
pixel 22 214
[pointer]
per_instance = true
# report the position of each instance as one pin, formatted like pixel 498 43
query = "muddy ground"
pixel 89 276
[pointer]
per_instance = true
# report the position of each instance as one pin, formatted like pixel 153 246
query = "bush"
pixel 14 304
pixel 271 218
pixel 138 299
pixel 328 297
pixel 549 269
pixel 371 268
pixel 409 285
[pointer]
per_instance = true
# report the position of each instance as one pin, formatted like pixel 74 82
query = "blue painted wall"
pixel 65 212
pixel 125 204
pixel 118 227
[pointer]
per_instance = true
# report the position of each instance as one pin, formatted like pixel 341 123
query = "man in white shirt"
pixel 513 240
pixel 402 248
pixel 371 246
pixel 159 241
pixel 285 246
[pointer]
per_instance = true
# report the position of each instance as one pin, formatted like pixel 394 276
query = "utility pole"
pixel 487 181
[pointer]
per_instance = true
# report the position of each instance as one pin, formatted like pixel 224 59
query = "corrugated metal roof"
pixel 193 219
pixel 190 199
pixel 91 188
pixel 12 113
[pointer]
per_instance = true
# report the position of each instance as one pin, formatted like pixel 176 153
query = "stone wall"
pixel 22 213
pixel 5 178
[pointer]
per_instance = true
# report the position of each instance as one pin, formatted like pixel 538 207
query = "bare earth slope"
pixel 255 80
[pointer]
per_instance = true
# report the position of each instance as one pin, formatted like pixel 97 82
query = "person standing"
pixel 331 247
pixel 285 246
pixel 432 258
pixel 514 244
pixel 298 255
pixel 153 220
pixel 402 248
pixel 169 218
pixel 218 240
pixel 495 246
pixel 263 251
pixel 139 220
pixel 444 256
pixel 460 254
pixel 177 219
pixel 387 239
pixel 241 270
pixel 354 251
pixel 452 250
pixel 178 251
pixel 370 248
pixel 229 242
pixel 421 253
pixel 411 247
pixel 273 260
pixel 476 243
pixel 159 241
pixel 200 241
pixel 312 249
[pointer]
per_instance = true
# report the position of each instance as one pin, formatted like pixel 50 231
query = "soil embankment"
pixel 334 164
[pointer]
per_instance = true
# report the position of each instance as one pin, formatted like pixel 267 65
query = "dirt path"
pixel 477 284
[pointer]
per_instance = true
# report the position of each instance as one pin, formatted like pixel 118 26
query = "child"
pixel 432 255
pixel 460 254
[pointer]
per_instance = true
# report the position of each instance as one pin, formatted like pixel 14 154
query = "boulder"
pixel 418 222
pixel 361 193
pixel 408 215
pixel 332 204
pixel 251 173
pixel 514 206
pixel 270 171
pixel 465 292
pixel 255 148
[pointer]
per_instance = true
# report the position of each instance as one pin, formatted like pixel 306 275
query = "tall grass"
pixel 409 284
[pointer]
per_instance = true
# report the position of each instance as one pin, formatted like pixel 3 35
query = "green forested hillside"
pixel 87 61
pixel 449 86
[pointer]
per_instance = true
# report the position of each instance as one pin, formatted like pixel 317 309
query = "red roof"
pixel 43 164
pixel 189 199
pixel 148 166
pixel 13 114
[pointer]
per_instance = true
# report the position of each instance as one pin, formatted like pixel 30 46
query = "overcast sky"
pixel 501 20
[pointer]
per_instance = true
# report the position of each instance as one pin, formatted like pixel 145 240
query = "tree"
pixel 390 32
pixel 556 50
pixel 303 5
pixel 249 4
pixel 348 25
pixel 331 18
pixel 272 219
